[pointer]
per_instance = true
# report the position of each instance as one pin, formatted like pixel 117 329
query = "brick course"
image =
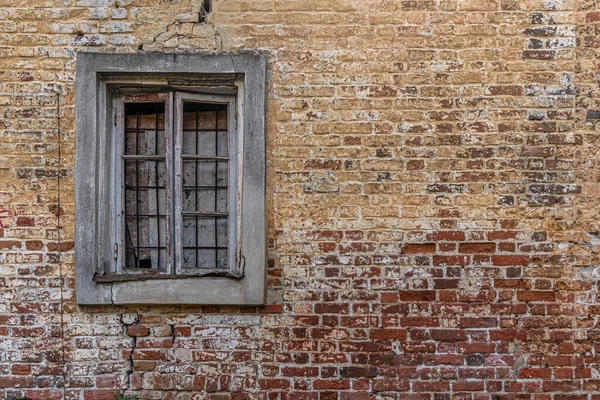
pixel 433 205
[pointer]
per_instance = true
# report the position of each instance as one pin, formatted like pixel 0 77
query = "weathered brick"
pixel 592 17
pixel 138 330
pixel 534 295
pixel 418 248
pixel 477 247
pixel 432 197
pixel 417 295
pixel 9 244
pixel 388 334
pixel 16 381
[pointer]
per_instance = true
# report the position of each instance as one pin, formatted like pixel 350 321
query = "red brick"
pixel 419 321
pixel 138 330
pixel 300 371
pixel 94 394
pixel 477 247
pixel 501 260
pixel 535 295
pixel 501 235
pixel 593 16
pixel 155 343
pixel 11 382
pixel 274 383
pixel 448 334
pixel 326 384
pixel 389 297
pixel 535 373
pixel 472 322
pixel 358 372
pixel 33 245
pixel 271 309
pixel 25 221
pixel 433 386
pixel 399 334
pixel 20 369
pixel 447 235
pixel 417 295
pixel 418 248
pixel 431 201
pixel 451 260
pixel 62 246
pixel 332 308
pixel 144 365
pixel 10 244
pixel 395 385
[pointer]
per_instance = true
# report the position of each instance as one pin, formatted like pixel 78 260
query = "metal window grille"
pixel 199 151
pixel 205 186
pixel 145 181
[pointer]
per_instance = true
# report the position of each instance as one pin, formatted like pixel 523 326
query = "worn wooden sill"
pixel 144 277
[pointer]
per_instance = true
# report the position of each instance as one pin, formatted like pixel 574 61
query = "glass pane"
pixel 200 173
pixel 145 129
pixel 145 173
pixel 200 143
pixel 205 241
pixel 145 239
pixel 205 139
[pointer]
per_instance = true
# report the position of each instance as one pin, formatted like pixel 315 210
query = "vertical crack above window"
pixel 205 9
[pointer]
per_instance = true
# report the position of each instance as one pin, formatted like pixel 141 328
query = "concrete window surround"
pixel 99 77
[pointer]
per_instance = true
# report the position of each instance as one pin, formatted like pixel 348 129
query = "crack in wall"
pixel 183 26
pixel 130 368
pixel 205 9
pixel 164 30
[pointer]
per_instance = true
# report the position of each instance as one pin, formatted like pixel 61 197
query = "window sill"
pixel 206 290
pixel 150 276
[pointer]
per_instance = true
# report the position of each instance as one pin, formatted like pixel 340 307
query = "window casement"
pixel 170 179
pixel 176 168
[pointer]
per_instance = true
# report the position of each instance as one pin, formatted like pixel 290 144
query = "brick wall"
pixel 433 205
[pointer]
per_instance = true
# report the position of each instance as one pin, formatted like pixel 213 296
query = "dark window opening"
pixel 145 184
pixel 205 9
pixel 205 186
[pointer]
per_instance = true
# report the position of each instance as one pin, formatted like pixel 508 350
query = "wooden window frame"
pixel 101 80
pixel 234 261
pixel 119 270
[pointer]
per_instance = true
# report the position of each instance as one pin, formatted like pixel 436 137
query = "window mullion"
pixel 119 184
pixel 169 182
pixel 177 134
pixel 233 225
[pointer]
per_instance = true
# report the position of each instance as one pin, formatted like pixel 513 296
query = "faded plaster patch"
pixel 591 240
pixel 184 27
pixel 473 280
pixel 522 358
pixel 590 274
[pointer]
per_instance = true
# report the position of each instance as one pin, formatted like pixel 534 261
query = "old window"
pixel 170 190
pixel 176 210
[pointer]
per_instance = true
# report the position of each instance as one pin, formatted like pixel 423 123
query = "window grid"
pixel 208 190
pixel 202 214
pixel 149 247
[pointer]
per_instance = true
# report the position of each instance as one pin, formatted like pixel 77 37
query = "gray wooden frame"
pixel 94 167
pixel 118 181
pixel 234 186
